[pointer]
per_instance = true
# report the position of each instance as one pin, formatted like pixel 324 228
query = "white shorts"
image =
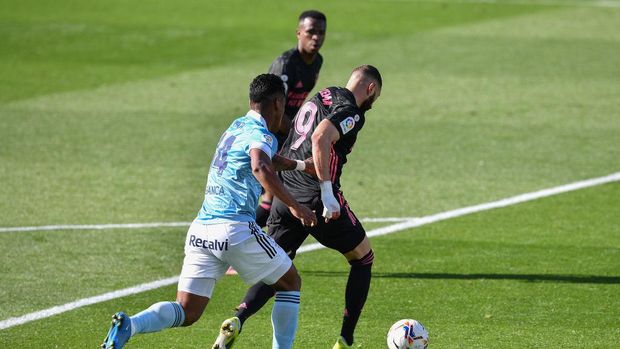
pixel 209 251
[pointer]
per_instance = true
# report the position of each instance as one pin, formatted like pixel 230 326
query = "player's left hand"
pixel 331 212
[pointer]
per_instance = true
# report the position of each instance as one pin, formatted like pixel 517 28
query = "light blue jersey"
pixel 232 191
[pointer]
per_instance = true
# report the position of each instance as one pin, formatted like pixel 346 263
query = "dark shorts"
pixel 343 234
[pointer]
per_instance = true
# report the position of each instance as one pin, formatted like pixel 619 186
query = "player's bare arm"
pixel 263 170
pixel 324 136
pixel 280 163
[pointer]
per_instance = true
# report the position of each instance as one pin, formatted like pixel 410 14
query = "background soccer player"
pixel 299 69
pixel 225 233
pixel 326 129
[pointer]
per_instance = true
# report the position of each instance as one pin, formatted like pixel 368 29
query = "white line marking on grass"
pixel 387 219
pixel 150 225
pixel 86 301
pixel 94 226
pixel 482 207
pixel 316 246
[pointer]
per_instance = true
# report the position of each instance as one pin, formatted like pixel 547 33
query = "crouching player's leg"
pixel 260 259
pixel 157 317
pixel 185 311
pixel 201 269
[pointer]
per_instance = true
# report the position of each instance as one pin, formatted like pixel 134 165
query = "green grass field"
pixel 110 111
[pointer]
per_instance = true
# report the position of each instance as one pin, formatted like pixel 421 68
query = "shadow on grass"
pixel 577 279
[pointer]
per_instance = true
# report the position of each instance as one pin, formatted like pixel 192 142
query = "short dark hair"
pixel 318 15
pixel 370 71
pixel 265 88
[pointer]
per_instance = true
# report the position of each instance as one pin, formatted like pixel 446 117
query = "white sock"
pixel 157 317
pixel 284 319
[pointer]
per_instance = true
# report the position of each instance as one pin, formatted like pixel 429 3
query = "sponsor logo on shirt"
pixel 268 139
pixel 238 124
pixel 347 124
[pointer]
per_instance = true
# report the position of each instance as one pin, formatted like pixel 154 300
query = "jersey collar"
pixel 256 116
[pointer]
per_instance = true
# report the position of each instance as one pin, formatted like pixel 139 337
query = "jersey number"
pixel 303 123
pixel 221 154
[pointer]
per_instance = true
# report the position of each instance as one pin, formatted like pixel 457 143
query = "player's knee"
pixel 294 282
pixel 191 316
pixel 366 260
pixel 291 281
pixel 192 311
pixel 297 283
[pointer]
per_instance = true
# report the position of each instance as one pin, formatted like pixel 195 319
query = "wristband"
pixel 326 186
pixel 300 165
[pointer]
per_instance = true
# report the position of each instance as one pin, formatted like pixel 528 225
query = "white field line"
pixel 15 321
pixel 386 219
pixel 150 225
pixel 479 208
pixel 94 226
pixel 554 3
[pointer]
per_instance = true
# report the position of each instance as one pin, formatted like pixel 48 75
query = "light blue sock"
pixel 157 317
pixel 284 319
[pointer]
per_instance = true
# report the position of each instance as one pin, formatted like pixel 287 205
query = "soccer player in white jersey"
pixel 225 232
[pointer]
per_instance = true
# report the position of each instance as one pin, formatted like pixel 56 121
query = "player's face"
pixel 311 34
pixel 374 93
pixel 279 109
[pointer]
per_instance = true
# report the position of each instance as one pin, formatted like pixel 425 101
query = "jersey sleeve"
pixel 347 122
pixel 278 67
pixel 263 141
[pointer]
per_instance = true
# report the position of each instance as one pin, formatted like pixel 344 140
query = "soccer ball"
pixel 407 334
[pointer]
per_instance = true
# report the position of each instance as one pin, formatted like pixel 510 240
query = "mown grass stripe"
pixel 554 3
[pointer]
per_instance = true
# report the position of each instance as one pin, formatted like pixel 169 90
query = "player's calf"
pixel 356 294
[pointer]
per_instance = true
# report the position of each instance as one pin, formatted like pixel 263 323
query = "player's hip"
pixel 340 234
pixel 211 248
pixel 312 200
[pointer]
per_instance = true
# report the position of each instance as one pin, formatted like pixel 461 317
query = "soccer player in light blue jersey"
pixel 225 232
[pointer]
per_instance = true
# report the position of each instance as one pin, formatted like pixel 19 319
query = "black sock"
pixel 262 213
pixel 254 299
pixel 355 294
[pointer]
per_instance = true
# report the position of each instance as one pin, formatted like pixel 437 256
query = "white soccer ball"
pixel 407 334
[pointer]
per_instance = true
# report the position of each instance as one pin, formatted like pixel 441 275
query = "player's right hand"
pixel 304 214
pixel 331 207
